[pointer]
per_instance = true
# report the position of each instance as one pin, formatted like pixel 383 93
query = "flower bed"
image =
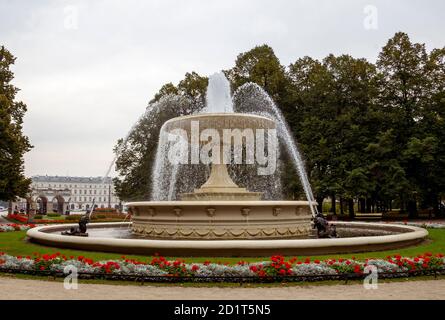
pixel 15 227
pixel 18 217
pixel 276 269
pixel 24 218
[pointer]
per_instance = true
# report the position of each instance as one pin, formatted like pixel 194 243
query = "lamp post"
pixel 109 196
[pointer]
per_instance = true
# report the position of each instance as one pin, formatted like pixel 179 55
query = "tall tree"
pixel 404 94
pixel 13 144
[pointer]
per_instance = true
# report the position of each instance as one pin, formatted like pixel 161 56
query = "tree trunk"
pixel 341 206
pixel 436 203
pixel 362 205
pixel 320 203
pixel 368 205
pixel 402 206
pixel 412 208
pixel 351 208
pixel 333 205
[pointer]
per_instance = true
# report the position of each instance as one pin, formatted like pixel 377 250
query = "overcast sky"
pixel 87 69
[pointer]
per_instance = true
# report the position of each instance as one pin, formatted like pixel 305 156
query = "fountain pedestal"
pixel 220 187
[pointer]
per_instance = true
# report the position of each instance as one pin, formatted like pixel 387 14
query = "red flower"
pixel 195 267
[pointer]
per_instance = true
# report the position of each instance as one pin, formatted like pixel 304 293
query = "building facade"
pixel 61 194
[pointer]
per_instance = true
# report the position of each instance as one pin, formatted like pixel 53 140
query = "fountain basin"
pixel 392 237
pixel 224 220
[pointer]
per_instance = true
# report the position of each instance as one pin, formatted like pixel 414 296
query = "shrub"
pixel 105 210
pixel 53 215
pixel 98 216
pixel 73 218
pixel 38 216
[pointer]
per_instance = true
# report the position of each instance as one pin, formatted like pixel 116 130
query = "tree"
pixel 166 89
pixel 406 92
pixel 261 66
pixel 13 144
pixel 333 122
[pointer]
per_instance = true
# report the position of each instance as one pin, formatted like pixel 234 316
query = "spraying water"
pixel 249 98
pixel 218 98
pixel 255 100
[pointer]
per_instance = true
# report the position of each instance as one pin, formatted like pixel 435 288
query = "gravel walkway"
pixel 11 288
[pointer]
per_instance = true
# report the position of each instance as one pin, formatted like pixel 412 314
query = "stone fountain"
pixel 220 209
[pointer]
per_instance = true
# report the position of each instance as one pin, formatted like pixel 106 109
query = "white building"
pixel 61 194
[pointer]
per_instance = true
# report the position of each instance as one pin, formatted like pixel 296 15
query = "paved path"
pixel 2 219
pixel 37 289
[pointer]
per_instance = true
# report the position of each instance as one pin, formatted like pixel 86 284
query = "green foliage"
pixel 13 144
pixel 53 215
pixel 73 217
pixel 261 66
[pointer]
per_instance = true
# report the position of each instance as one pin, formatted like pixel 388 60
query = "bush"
pixel 73 218
pixel 105 210
pixel 38 216
pixel 53 215
pixel 98 216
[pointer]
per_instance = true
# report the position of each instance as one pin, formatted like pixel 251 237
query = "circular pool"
pixel 118 238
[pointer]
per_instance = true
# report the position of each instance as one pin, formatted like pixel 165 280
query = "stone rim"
pixel 233 247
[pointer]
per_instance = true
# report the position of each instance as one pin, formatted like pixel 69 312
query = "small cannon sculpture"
pixel 324 229
pixel 81 230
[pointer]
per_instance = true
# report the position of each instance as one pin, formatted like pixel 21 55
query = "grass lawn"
pixel 15 243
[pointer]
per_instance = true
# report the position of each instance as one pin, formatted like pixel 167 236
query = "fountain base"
pixel 224 220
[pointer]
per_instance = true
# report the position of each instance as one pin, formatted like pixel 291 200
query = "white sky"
pixel 87 69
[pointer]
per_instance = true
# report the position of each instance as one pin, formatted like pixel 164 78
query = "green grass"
pixel 15 243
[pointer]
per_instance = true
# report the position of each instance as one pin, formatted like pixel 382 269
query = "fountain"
pixel 219 209
pixel 218 216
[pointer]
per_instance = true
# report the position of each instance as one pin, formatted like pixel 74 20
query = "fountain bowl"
pixel 107 237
